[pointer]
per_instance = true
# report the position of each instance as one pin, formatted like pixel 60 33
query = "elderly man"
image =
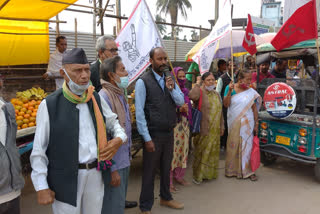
pixel 11 180
pixel 70 137
pixel 106 48
pixel 55 62
pixel 156 118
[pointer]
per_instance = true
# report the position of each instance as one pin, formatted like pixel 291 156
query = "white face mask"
pixel 124 82
pixel 74 87
pixel 210 88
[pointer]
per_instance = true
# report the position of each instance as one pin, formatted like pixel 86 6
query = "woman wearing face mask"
pixel 114 84
pixel 243 103
pixel 207 143
pixel 181 135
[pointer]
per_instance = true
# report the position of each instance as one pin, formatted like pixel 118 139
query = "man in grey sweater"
pixel 11 180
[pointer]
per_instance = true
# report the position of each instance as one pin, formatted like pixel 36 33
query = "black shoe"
pixel 131 204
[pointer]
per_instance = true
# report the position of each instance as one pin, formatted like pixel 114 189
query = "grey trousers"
pixel 115 197
pixel 162 158
pixel 11 207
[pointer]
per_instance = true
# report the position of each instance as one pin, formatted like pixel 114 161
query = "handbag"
pixel 255 154
pixel 196 117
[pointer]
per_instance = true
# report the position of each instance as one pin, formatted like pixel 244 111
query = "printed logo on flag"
pixel 137 38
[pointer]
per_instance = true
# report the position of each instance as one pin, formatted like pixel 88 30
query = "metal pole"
pixel 118 13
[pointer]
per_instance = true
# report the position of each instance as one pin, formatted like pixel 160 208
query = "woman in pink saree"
pixel 243 104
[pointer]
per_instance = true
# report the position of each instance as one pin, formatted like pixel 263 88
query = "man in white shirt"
pixel 11 180
pixel 65 151
pixel 55 62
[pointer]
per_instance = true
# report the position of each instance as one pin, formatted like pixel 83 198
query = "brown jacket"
pixel 194 95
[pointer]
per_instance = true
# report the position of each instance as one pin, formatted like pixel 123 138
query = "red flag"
pixel 301 26
pixel 249 42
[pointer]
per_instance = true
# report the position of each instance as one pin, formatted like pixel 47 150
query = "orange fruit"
pixel 25 100
pixel 31 124
pixel 26 105
pixel 16 111
pixel 13 100
pixel 21 113
pixel 38 102
pixel 26 116
pixel 26 121
pixel 30 108
pixel 17 108
pixel 19 118
pixel 19 103
pixel 24 126
pixel 23 109
pixel 34 114
pixel 19 127
pixel 32 119
pixel 29 112
pixel 19 122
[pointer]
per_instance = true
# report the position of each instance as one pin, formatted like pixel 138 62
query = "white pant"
pixel 89 195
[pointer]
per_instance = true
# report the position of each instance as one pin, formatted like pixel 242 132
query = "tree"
pixel 173 7
pixel 161 27
pixel 185 38
pixel 177 31
pixel 194 36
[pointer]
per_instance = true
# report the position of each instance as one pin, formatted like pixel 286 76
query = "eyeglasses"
pixel 112 50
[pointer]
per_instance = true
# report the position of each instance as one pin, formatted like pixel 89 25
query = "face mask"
pixel 182 82
pixel 124 82
pixel 243 85
pixel 74 87
pixel 210 88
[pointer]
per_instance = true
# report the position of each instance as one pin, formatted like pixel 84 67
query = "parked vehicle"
pixel 296 135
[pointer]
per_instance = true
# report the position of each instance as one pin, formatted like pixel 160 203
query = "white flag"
pixel 222 27
pixel 137 37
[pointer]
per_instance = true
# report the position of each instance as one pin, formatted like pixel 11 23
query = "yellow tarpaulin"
pixel 18 48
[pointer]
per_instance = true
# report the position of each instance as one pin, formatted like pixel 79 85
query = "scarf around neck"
pixel 113 92
pixel 101 126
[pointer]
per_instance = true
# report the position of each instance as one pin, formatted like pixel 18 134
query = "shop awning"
pixel 26 42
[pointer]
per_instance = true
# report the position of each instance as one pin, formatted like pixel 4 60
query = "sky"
pixel 202 11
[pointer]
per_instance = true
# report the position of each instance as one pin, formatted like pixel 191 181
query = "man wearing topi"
pixel 70 142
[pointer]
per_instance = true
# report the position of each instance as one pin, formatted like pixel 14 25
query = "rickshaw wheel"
pixel 268 159
pixel 317 170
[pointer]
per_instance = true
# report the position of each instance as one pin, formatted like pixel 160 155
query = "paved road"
pixel 286 187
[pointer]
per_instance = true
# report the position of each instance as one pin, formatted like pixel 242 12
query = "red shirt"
pixel 261 77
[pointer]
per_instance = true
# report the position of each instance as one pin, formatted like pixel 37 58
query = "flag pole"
pixel 317 42
pixel 232 71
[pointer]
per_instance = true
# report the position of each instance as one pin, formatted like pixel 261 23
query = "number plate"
pixel 283 140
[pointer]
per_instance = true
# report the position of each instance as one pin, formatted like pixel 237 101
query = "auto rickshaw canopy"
pixel 25 42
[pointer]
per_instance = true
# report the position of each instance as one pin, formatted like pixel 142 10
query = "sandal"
pixel 182 182
pixel 173 189
pixel 253 177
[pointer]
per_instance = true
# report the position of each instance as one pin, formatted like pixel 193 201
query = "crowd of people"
pixel 82 146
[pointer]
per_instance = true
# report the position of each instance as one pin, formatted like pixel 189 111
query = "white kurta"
pixel 87 152
pixel 54 66
pixel 3 135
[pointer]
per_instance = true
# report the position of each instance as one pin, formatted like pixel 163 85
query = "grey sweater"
pixel 10 167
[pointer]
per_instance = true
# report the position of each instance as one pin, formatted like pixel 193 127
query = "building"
pixel 272 10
